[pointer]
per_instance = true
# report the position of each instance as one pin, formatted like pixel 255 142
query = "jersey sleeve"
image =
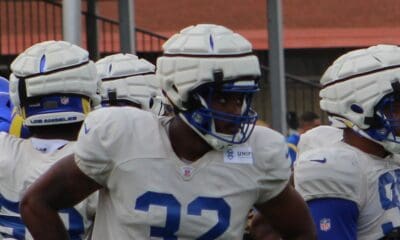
pixel 318 137
pixel 329 173
pixel 271 157
pixel 334 218
pixel 97 140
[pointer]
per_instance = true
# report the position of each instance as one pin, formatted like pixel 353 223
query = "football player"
pixel 130 81
pixel 194 175
pixel 5 106
pixel 10 121
pixel 51 84
pixel 352 186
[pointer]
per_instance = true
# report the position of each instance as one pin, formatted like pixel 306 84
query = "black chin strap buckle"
pixel 112 97
pixel 396 90
pixel 396 86
pixel 22 92
pixel 218 75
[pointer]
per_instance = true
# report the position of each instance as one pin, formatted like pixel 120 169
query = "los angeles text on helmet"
pixel 53 120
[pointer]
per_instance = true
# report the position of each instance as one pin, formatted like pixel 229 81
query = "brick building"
pixel 315 32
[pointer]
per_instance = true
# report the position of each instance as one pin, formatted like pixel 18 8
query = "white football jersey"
pixel 22 161
pixel 342 171
pixel 321 136
pixel 149 193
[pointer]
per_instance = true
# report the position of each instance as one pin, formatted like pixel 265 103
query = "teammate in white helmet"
pixel 10 121
pixel 51 84
pixel 130 81
pixel 352 186
pixel 191 176
pixel 5 106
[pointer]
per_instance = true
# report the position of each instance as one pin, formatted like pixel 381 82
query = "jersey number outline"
pixel 75 230
pixel 173 208
pixel 391 200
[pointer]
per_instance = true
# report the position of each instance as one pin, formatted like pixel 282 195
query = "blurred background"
pixel 314 33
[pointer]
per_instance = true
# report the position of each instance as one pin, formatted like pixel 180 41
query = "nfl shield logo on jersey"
pixel 325 224
pixel 186 172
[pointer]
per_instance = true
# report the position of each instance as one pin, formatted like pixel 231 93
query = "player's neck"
pixel 364 144
pixel 185 142
pixel 67 131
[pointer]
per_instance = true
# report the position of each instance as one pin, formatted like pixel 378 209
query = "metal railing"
pixel 109 38
pixel 26 22
pixel 23 23
pixel 301 95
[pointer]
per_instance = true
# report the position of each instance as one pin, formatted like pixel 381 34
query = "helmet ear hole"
pixel 356 108
pixel 218 78
pixel 151 102
pixel 112 97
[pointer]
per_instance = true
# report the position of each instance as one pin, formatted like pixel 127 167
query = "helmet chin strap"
pixel 389 146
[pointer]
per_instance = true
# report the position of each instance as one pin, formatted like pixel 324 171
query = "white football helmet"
pixel 203 59
pixel 357 88
pixel 126 80
pixel 52 83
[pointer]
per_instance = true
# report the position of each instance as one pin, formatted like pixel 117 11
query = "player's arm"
pixel 288 214
pixel 334 200
pixel 62 186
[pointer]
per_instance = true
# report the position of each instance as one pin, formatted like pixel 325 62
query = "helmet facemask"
pixel 220 128
pixel 159 106
pixel 385 126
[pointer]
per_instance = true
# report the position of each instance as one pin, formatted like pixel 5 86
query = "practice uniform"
pixel 320 136
pixel 370 183
pixel 149 193
pixel 21 163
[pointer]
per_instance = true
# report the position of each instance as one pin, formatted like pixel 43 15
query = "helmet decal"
pixel 42 64
pixel 211 42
